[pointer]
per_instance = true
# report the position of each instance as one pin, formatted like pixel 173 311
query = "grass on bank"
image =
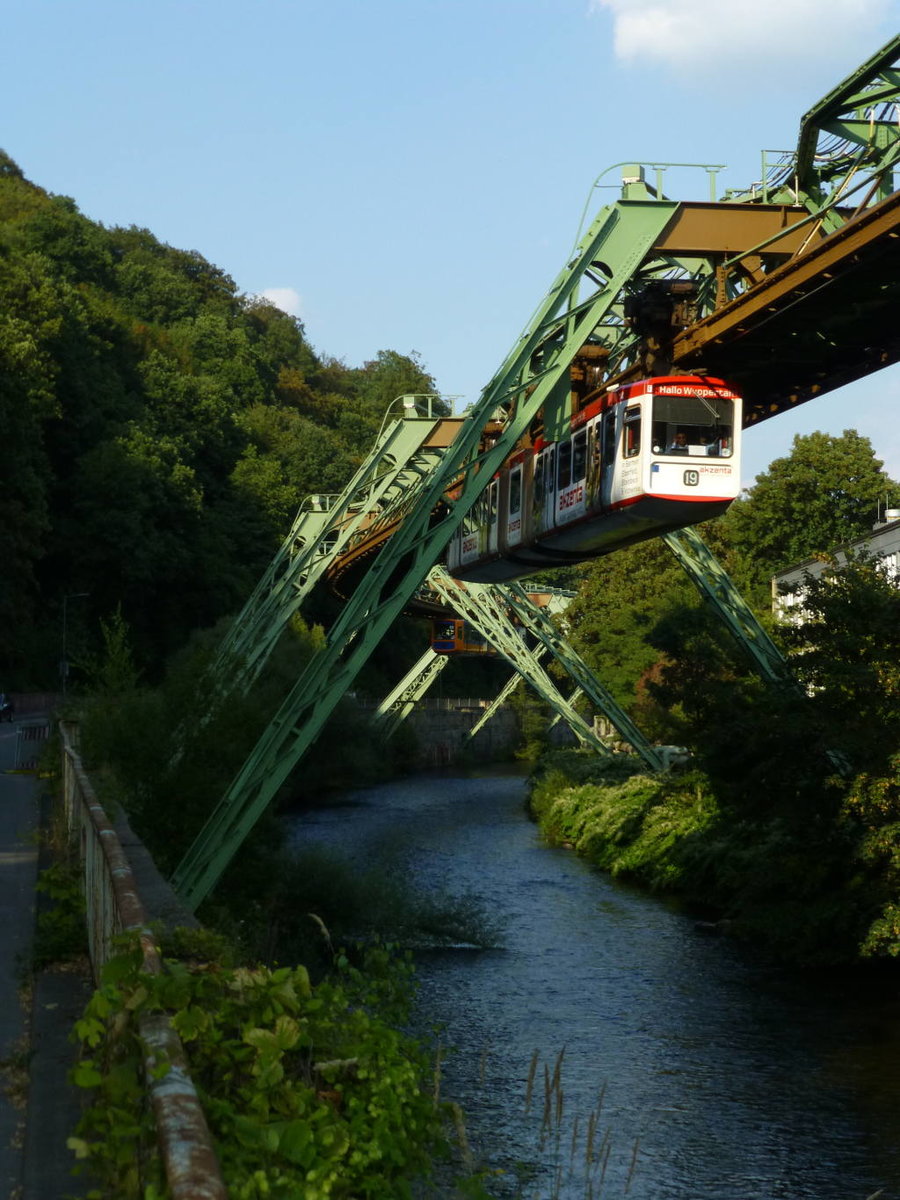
pixel 810 892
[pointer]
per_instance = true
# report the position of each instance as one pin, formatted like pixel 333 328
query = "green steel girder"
pixel 501 698
pixel 485 607
pixel 399 703
pixel 506 691
pixel 621 250
pixel 522 387
pixel 537 621
pixel 716 585
pixel 324 526
pixel 862 137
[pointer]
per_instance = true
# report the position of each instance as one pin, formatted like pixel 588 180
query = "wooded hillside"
pixel 159 432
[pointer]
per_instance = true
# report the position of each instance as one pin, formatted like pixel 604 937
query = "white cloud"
pixel 287 299
pixel 750 35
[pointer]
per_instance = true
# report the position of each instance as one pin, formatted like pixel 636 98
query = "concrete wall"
pixel 441 734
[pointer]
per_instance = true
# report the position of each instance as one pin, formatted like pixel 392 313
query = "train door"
pixel 624 481
pixel 543 504
pixel 571 458
pixel 549 514
pixel 592 497
pixel 491 517
pixel 608 436
pixel 628 469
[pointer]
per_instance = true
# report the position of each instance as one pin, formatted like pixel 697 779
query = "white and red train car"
pixel 636 462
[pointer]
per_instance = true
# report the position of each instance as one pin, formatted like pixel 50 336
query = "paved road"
pixel 18 872
pixel 38 1108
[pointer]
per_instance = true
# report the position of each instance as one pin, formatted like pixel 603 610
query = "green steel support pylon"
pixel 399 703
pixel 717 586
pixel 323 527
pixel 484 606
pixel 538 622
pixel 506 691
pixel 714 582
pixel 582 295
pixel 502 696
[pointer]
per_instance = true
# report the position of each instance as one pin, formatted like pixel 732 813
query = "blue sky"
pixel 410 174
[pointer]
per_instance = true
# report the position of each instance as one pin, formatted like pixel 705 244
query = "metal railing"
pixel 440 703
pixel 113 906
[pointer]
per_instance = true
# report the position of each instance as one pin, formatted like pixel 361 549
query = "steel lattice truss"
pixel 787 289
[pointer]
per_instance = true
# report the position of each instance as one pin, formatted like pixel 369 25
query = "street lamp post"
pixel 64 664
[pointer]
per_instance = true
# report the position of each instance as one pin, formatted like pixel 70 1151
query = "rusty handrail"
pixel 113 906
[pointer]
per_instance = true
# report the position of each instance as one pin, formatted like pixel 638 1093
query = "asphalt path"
pixel 19 796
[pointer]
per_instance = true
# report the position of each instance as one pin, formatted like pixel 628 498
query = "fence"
pixel 114 906
pixel 30 735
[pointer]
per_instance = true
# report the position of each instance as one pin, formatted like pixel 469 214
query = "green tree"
pixel 159 429
pixel 845 651
pixel 620 599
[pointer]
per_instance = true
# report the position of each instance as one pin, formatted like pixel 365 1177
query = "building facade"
pixel 883 543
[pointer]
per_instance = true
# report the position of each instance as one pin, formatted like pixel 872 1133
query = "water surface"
pixel 706 1073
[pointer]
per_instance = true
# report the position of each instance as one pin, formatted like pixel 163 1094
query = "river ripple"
pixel 709 1074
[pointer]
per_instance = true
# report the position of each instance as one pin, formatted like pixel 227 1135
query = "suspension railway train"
pixel 451 635
pixel 641 460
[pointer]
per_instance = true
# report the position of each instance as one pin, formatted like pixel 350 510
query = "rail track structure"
pixel 788 289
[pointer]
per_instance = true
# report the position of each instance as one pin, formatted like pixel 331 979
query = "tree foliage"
pixel 160 430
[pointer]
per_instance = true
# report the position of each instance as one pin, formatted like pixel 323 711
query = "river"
pixel 688 1068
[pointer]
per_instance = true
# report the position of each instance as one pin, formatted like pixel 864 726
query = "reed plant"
pixel 572 1156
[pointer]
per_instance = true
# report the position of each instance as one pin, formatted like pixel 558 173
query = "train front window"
pixel 694 422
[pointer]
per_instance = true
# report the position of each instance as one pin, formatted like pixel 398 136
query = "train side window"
pixel 515 490
pixel 492 503
pixel 579 455
pixel 631 442
pixel 564 465
pixel 609 436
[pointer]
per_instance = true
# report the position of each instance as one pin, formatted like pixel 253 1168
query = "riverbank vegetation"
pixel 308 1089
pixel 786 826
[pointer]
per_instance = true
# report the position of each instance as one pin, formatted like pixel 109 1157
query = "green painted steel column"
pixel 714 582
pixel 485 607
pixel 538 622
pixel 399 703
pixel 620 237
